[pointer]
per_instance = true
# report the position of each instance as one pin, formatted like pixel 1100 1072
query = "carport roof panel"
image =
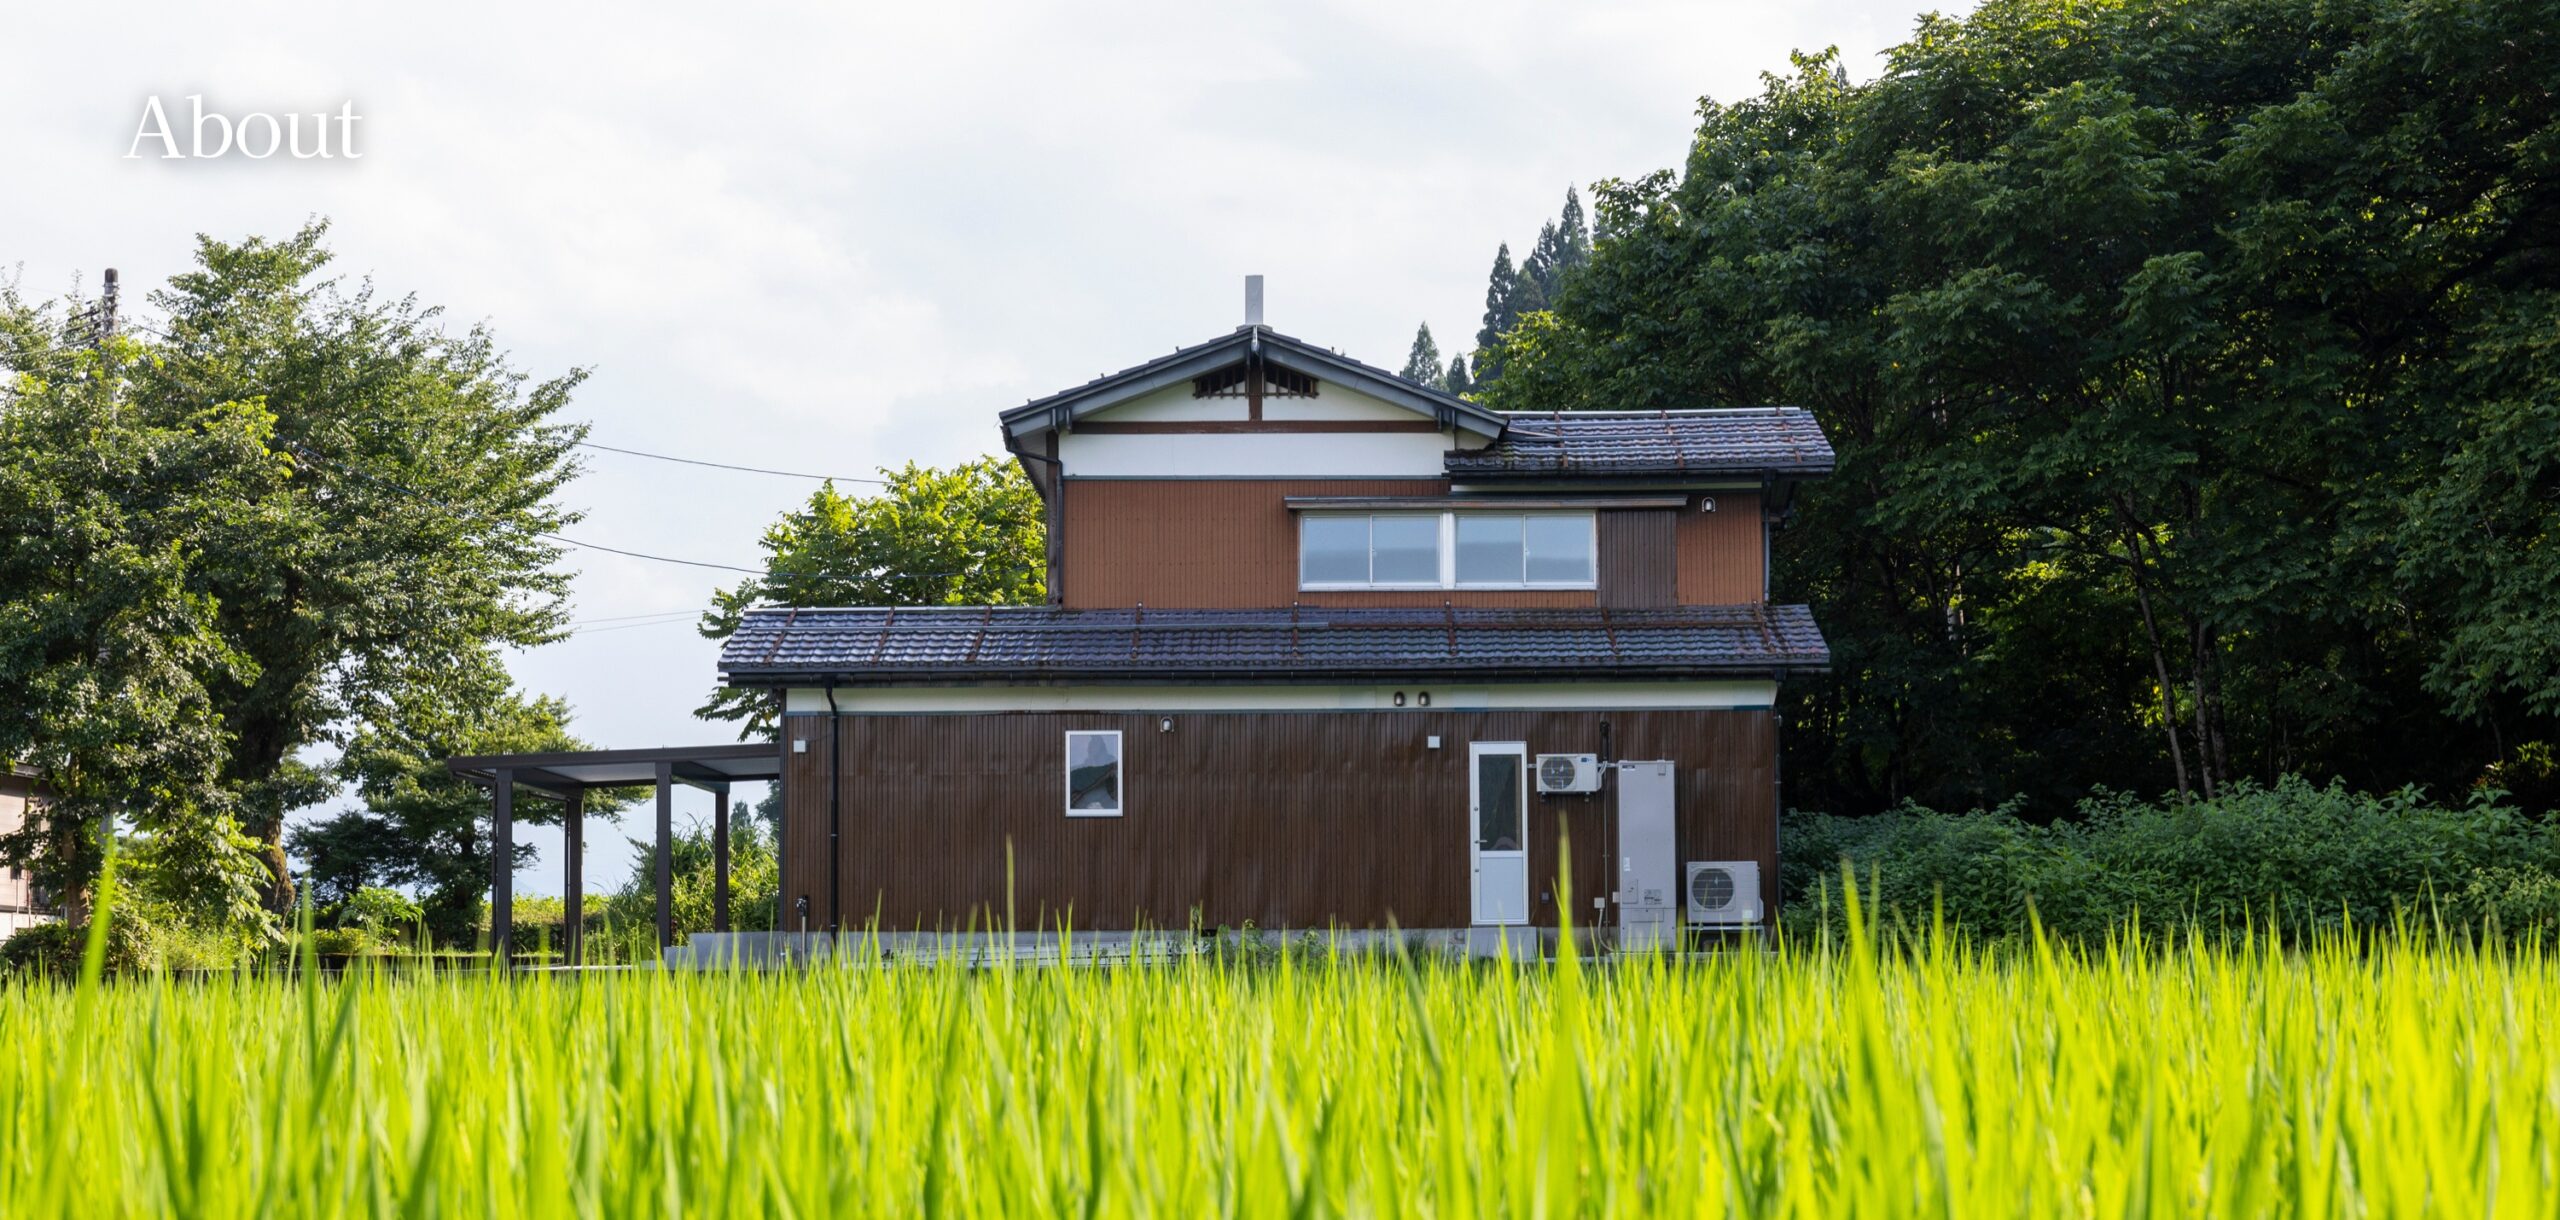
pixel 716 764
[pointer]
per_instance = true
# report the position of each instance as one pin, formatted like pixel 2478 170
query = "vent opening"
pixel 1235 381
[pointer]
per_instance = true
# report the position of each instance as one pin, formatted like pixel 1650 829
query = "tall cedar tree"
pixel 972 535
pixel 1422 364
pixel 2191 371
pixel 1564 245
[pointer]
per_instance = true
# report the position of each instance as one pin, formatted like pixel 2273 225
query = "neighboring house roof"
pixel 1745 441
pixel 1110 390
pixel 1307 643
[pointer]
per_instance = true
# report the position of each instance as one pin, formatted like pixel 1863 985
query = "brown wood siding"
pixel 1233 544
pixel 1278 819
pixel 1638 557
pixel 804 826
pixel 1720 562
pixel 1226 544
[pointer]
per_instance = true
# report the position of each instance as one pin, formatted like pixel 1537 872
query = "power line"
pixel 788 474
pixel 625 618
pixel 412 493
pixel 670 622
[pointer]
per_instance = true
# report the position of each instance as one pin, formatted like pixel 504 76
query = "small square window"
pixel 1093 774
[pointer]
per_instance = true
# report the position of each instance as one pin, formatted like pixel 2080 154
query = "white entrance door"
pixel 1498 800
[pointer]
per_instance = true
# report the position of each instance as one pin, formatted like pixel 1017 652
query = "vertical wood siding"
pixel 1720 563
pixel 1278 819
pixel 1639 560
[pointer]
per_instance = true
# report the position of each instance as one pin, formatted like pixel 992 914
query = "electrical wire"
pixel 564 540
pixel 787 474
pixel 625 618
pixel 306 455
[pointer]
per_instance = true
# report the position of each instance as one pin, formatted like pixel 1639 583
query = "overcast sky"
pixel 833 238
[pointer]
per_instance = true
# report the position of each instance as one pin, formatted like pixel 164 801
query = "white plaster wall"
pixel 1334 402
pixel 1254 455
pixel 1173 404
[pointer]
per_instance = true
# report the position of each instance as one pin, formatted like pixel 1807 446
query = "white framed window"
pixel 1449 550
pixel 1094 774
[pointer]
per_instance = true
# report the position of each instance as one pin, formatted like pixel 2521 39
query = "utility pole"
pixel 101 317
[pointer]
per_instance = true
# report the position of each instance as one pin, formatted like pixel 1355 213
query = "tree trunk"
pixel 258 754
pixel 2211 761
pixel 2137 560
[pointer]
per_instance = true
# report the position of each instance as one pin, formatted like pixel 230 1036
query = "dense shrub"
pixel 343 942
pixel 2519 900
pixel 2296 855
pixel 385 914
pixel 56 949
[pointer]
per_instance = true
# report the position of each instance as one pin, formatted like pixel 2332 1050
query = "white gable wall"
pixel 1171 404
pixel 1334 402
pixel 1254 455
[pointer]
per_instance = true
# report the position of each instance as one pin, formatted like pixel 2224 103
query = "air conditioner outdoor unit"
pixel 1568 773
pixel 1724 892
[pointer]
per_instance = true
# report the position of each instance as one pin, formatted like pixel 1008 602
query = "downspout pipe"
pixel 835 808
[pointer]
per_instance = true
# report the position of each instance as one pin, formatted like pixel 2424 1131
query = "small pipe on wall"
pixel 835 808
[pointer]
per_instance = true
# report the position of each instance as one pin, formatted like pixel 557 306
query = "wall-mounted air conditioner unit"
pixel 1724 892
pixel 1568 773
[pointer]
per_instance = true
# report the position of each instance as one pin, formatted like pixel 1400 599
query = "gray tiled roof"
pixel 1306 644
pixel 1752 441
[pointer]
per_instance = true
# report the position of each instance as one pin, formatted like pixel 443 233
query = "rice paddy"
pixel 2402 1077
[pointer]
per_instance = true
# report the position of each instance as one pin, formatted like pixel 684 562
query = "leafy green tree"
pixel 107 645
pixel 755 881
pixel 401 520
pixel 1457 381
pixel 1422 364
pixel 2189 367
pixel 420 827
pixel 971 535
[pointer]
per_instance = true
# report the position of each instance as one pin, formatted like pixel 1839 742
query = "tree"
pixel 402 522
pixel 1514 297
pixel 974 534
pixel 1422 364
pixel 755 881
pixel 1501 287
pixel 1457 381
pixel 2185 432
pixel 1573 236
pixel 108 646
pixel 419 825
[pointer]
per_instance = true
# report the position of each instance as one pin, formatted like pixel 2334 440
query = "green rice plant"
pixel 1914 1073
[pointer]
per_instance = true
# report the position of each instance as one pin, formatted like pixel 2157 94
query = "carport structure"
pixel 568 777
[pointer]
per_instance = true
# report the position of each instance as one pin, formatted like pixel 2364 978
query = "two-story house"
pixel 1312 630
